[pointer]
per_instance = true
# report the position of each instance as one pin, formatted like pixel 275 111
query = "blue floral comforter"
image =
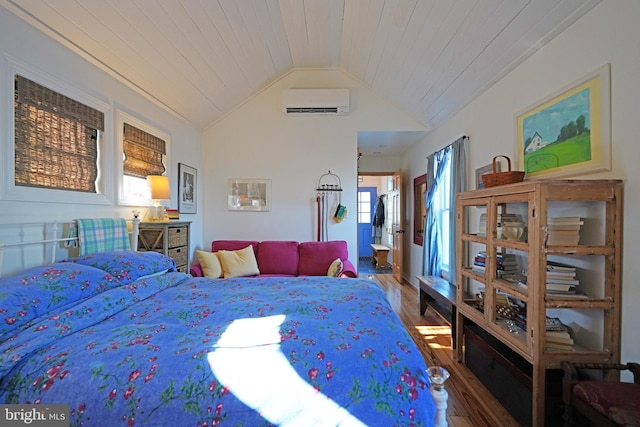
pixel 126 340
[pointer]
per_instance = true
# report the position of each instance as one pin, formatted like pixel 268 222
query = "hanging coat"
pixel 378 218
pixel 378 213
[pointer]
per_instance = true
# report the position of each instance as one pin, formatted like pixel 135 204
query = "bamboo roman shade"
pixel 56 139
pixel 143 153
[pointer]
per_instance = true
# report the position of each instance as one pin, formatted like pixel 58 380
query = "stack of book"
pixel 503 220
pixel 563 231
pixel 561 279
pixel 173 214
pixel 558 336
pixel 506 264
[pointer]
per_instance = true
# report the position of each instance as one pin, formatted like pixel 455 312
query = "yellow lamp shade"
pixel 159 185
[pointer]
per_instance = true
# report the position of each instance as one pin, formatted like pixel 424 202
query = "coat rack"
pixel 323 186
pixel 328 184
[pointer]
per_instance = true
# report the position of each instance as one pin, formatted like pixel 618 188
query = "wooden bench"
pixel 441 296
pixel 380 255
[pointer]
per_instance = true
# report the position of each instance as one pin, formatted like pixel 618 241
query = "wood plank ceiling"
pixel 203 58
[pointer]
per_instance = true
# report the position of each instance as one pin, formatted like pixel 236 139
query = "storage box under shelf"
pixel 508 377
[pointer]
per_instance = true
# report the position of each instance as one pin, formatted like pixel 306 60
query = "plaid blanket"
pixel 103 235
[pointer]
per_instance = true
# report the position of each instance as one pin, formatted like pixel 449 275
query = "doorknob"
pixel 400 231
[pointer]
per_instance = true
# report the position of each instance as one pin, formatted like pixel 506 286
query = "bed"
pixel 124 339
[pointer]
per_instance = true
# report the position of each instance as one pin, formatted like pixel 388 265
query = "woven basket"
pixel 502 178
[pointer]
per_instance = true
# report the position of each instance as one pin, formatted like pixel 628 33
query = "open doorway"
pixel 373 189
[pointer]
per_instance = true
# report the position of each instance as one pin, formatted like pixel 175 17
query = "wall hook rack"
pixel 329 182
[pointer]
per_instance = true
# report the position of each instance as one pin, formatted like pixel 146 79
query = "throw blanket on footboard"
pixel 125 340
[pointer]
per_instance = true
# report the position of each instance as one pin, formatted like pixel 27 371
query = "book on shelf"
pixel 563 281
pixel 565 220
pixel 557 266
pixel 551 287
pixel 567 295
pixel 551 346
pixel 559 339
pixel 559 334
pixel 563 231
pixel 555 324
pixel 555 240
pixel 173 213
pixel 561 274
pixel 563 227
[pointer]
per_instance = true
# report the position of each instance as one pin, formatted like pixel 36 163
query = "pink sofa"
pixel 284 258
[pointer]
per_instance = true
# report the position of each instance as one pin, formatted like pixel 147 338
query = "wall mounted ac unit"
pixel 315 102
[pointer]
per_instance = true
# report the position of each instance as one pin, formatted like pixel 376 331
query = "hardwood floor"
pixel 470 403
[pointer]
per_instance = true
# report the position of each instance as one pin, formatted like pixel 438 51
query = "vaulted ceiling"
pixel 203 58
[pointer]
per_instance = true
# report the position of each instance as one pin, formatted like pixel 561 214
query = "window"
pixel 446 176
pixel 56 139
pixel 53 145
pixel 143 150
pixel 364 207
pixel 442 210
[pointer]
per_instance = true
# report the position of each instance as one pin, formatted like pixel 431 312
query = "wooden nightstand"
pixel 168 238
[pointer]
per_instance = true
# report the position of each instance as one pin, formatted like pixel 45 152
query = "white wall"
pixel 22 43
pixel 259 141
pixel 607 34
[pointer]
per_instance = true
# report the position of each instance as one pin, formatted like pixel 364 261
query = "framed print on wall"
pixel 568 132
pixel 249 194
pixel 187 180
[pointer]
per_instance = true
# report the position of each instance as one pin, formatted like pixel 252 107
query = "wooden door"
pixel 397 224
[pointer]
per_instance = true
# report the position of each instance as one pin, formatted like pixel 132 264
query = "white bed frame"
pixel 26 250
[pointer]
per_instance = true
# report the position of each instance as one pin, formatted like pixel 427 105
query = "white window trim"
pixel 121 118
pixel 8 189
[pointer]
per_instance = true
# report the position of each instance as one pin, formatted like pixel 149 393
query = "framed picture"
pixel 568 132
pixel 187 180
pixel 419 208
pixel 249 194
pixel 484 170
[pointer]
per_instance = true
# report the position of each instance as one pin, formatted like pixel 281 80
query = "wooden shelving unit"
pixel 594 319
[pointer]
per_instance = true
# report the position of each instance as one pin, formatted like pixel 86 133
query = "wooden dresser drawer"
pixel 179 255
pixel 178 236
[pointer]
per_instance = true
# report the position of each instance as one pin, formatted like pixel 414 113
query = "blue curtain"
pixel 454 157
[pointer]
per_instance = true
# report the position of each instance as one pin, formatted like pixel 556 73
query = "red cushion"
pixel 316 257
pixel 278 257
pixel 620 402
pixel 233 245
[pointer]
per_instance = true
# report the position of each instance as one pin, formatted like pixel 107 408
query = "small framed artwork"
pixel 187 180
pixel 249 194
pixel 483 171
pixel 569 132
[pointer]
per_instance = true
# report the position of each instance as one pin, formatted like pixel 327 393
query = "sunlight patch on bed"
pixel 248 360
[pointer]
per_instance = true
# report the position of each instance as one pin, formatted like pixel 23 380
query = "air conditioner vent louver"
pixel 318 102
pixel 312 110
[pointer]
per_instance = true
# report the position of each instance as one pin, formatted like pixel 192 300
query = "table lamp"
pixel 159 185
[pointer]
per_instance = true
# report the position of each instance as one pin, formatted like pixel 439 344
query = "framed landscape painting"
pixel 569 132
